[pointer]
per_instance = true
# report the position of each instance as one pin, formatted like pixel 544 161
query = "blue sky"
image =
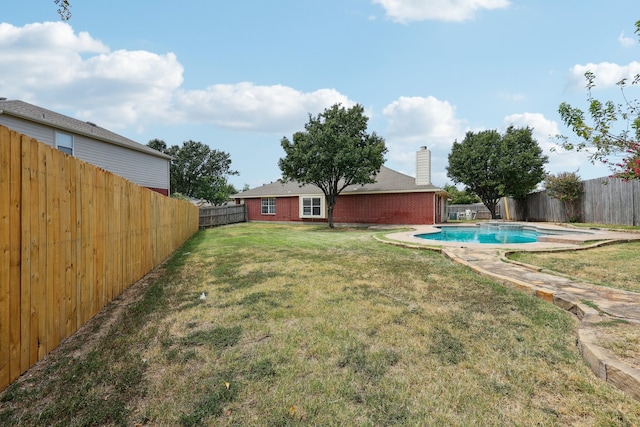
pixel 240 75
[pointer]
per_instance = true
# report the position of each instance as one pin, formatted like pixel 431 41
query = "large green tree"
pixel 493 166
pixel 333 152
pixel 460 197
pixel 198 171
pixel 611 129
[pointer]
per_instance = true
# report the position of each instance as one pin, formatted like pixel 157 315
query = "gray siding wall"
pixel 40 132
pixel 145 170
pixel 141 168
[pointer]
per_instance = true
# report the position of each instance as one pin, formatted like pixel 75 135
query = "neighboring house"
pixel 90 143
pixel 394 198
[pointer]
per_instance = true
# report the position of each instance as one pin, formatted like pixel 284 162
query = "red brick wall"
pixel 398 208
pixel 163 191
pixel 286 210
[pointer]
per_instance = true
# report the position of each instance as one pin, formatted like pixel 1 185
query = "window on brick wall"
pixel 268 206
pixel 312 207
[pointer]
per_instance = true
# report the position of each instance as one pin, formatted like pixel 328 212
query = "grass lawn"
pixel 302 325
pixel 614 266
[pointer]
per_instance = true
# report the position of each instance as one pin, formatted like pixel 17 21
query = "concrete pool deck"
pixel 572 295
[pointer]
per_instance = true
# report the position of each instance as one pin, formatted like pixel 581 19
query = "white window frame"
pixel 268 206
pixel 62 142
pixel 313 209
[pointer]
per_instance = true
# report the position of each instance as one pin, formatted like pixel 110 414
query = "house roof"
pixel 387 181
pixel 50 118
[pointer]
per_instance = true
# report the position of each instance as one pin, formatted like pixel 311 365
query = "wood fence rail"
pixel 212 216
pixel 72 238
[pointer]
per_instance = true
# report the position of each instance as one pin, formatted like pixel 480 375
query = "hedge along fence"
pixel 72 238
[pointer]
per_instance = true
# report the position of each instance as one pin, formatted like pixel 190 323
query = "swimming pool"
pixel 485 233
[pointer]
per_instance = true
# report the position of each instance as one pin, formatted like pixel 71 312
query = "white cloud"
pixel 51 66
pixel 545 131
pixel 247 106
pixel 626 41
pixel 428 120
pixel 416 122
pixel 404 11
pixel 607 73
pixel 47 38
pixel 42 55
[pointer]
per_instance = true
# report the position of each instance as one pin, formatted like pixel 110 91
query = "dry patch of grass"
pixel 614 227
pixel 622 338
pixel 613 266
pixel 306 326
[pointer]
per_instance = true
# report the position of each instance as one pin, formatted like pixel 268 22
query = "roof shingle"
pixel 387 181
pixel 50 118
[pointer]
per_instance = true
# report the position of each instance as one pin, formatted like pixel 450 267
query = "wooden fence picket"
pixel 5 257
pixel 604 201
pixel 72 238
pixel 211 216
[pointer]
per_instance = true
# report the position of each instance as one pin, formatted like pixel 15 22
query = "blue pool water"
pixel 484 234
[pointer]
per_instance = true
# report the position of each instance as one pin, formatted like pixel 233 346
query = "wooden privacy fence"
pixel 72 238
pixel 212 216
pixel 604 201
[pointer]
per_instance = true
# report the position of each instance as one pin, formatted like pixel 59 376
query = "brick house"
pixel 394 198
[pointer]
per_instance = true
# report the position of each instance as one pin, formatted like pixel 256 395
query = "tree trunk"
pixel 331 216
pixel 571 211
pixel 331 202
pixel 491 205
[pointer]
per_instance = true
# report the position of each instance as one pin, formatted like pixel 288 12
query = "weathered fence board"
pixel 72 238
pixel 212 216
pixel 604 201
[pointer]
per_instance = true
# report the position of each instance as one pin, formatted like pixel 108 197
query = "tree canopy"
pixel 612 128
pixel 460 197
pixel 333 152
pixel 198 171
pixel 492 165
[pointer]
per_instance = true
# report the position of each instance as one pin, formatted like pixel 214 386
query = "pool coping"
pixel 563 237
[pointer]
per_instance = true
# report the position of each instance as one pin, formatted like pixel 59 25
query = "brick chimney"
pixel 423 166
